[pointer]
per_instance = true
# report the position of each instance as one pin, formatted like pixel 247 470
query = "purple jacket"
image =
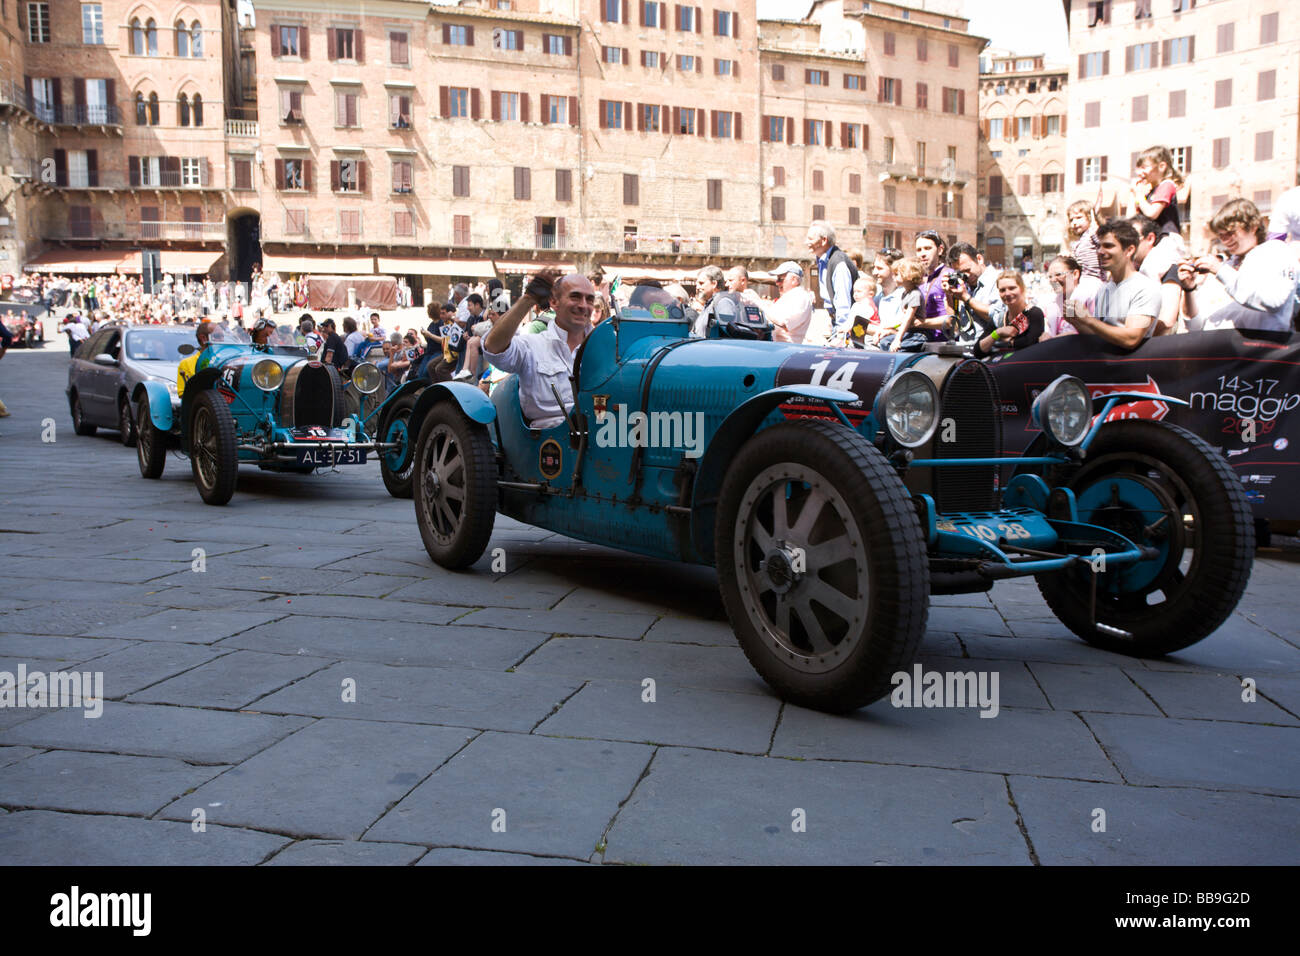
pixel 934 301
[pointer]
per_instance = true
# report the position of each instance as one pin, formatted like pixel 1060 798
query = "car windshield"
pixel 658 302
pixel 155 346
pixel 230 335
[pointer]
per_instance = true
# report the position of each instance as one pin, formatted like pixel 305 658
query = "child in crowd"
pixel 863 314
pixel 1155 193
pixel 1082 230
pixel 909 275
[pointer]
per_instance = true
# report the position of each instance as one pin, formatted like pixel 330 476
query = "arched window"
pixel 137 37
pixel 182 35
pixel 153 109
pixel 183 110
pixel 196 39
pixel 141 111
pixel 151 36
pixel 197 107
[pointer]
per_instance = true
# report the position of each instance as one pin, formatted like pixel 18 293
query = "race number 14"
pixel 842 377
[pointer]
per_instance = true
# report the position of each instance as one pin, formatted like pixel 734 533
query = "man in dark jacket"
pixel 836 274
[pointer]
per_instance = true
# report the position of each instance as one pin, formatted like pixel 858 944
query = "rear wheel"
pixel 150 445
pixel 1162 487
pixel 454 486
pixel 398 465
pixel 822 565
pixel 125 427
pixel 214 460
pixel 79 423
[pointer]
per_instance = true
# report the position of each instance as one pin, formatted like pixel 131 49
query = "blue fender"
pixel 160 403
pixel 734 431
pixel 476 406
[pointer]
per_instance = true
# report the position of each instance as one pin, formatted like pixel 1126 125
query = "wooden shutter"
pixel 444 101
pixel 643 52
pixel 699 64
pixel 713 114
pixel 984 128
pixel 359 46
pixel 60 167
pixel 735 125
pixel 640 117
pixel 1036 129
pixel 361 175
pixel 495 97
pixel 829 128
pixel 898 92
pixel 789 130
pixel 573 111
pixel 568 46
pixel 302 42
pixel 844 134
pixel 1104 164
pixel 475 104
pixel 524 113
pixel 627 116
pixel 446 34
pixel 1083 64
pixel 559 233
pixel 275 40
pixel 880 89
pixel 677 118
pixel 1128 58
pixel 92 167
pixel 306 174
pixel 469 35
pixel 1078 172
pixel 1105 63
pixel 110 98
pixel 545 105
pixel 642 6
pixel 625 16
pixel 133 171
pixel 332 43
pixel 79 93
pixel 334 175
pixel 1062 124
pixel 764 129
pixel 699 20
pixel 1187 160
pixel 961 102
pixel 600 107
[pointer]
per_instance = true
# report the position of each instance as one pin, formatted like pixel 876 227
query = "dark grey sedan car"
pixel 104 372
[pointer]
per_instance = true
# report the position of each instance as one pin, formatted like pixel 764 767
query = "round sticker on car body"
pixel 550 459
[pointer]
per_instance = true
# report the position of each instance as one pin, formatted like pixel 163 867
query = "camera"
pixel 953 282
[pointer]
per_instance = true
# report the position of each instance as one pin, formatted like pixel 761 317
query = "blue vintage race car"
pixel 273 406
pixel 836 490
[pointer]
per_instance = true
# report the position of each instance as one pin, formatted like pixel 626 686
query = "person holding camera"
pixel 544 362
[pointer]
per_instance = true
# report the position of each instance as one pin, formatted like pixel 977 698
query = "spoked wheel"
pixel 125 427
pixel 454 486
pixel 822 565
pixel 79 423
pixel 150 445
pixel 214 459
pixel 1162 487
pixel 398 465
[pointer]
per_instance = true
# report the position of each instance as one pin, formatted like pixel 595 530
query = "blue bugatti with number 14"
pixel 836 490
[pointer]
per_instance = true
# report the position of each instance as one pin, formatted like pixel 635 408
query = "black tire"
pixel 125 426
pixel 397 467
pixel 150 444
pixel 828 659
pixel 79 423
pixel 1207 540
pixel 30 339
pixel 454 486
pixel 214 460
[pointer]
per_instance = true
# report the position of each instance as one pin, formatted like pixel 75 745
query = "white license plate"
pixel 331 456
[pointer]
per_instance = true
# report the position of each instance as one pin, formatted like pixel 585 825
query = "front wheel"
pixel 214 459
pixel 125 427
pixel 454 486
pixel 1162 487
pixel 822 565
pixel 150 444
pixel 79 423
pixel 398 465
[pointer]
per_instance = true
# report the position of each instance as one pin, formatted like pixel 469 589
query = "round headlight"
pixel 1064 411
pixel 908 405
pixel 268 375
pixel 366 378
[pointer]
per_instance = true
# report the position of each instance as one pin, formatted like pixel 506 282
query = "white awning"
pixel 460 268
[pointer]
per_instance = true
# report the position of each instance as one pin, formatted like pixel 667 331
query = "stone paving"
pixel 322 694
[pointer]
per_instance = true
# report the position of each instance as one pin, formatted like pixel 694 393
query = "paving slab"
pixel 1016 685
pixel 104 570
pixel 248 578
pixel 558 796
pixel 198 736
pixel 44 838
pixel 1155 751
pixel 455 856
pixel 362 609
pixel 683 716
pixel 699 807
pixel 481 591
pixel 576 622
pixel 374 764
pixel 680 665
pixel 395 642
pixel 198 596
pixel 425 695
pixel 1238 647
pixel 10 755
pixel 295 556
pixel 967 620
pixel 70 617
pixel 680 630
pixel 50 647
pixel 1146 825
pixel 1284 691
pixel 99 782
pixel 1052 744
pixel 1209 697
pixel 346 853
pixel 1103 689
pixel 233 681
pixel 189 626
pixel 88 594
pixel 139 665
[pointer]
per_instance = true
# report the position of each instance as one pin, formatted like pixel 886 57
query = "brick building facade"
pixel 1023 119
pixel 1217 83
pixel 485 136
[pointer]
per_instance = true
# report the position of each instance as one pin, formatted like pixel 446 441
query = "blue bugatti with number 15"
pixel 274 406
pixel 836 490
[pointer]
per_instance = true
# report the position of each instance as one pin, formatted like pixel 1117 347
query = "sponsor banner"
pixel 1243 396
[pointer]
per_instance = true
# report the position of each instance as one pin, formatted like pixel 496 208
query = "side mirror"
pixel 103 358
pixel 185 348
